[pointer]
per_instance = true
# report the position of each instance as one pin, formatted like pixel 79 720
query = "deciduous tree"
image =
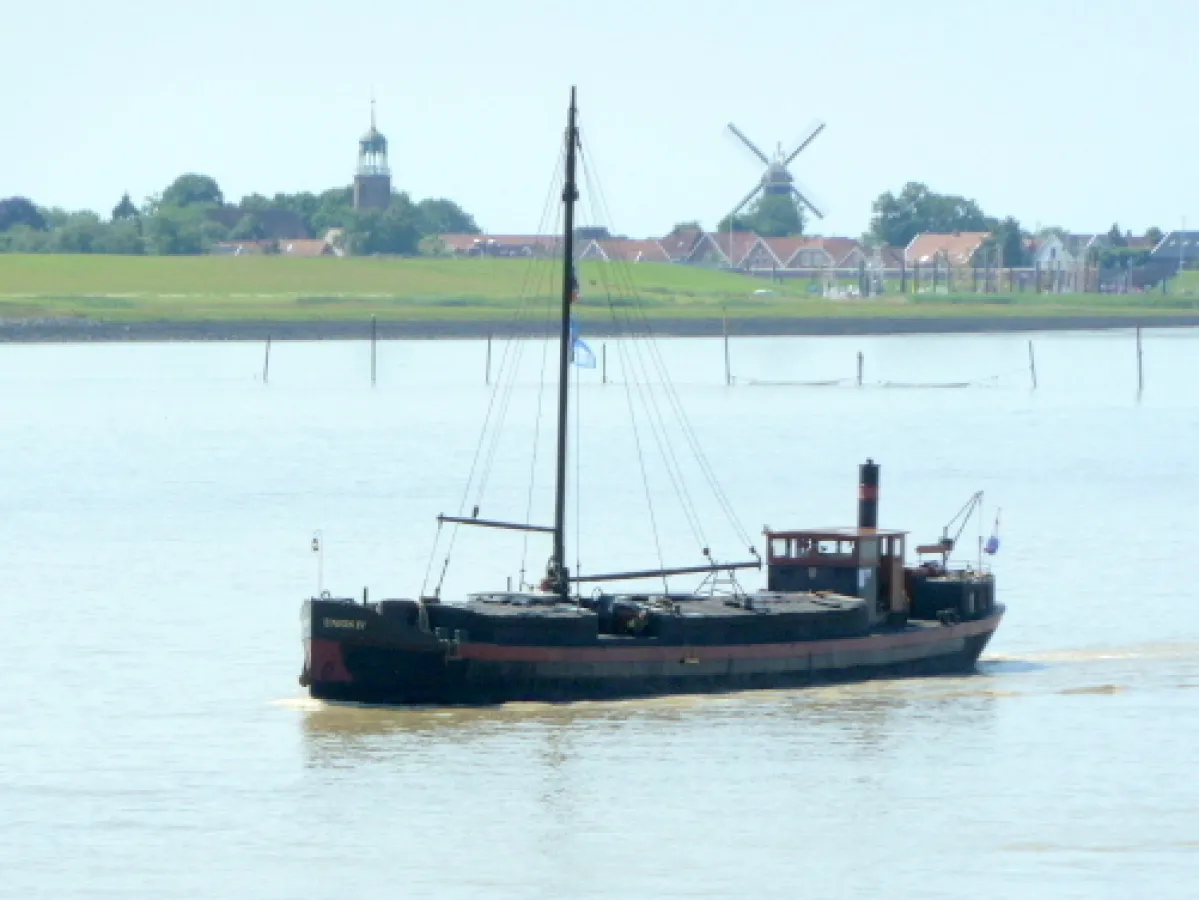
pixel 773 215
pixel 1008 238
pixel 917 209
pixel 192 189
pixel 441 216
pixel 175 231
pixel 248 228
pixel 20 211
pixel 395 230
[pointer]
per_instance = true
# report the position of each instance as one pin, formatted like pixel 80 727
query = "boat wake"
pixel 299 704
pixel 1041 659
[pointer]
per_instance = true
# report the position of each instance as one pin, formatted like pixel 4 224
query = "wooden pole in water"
pixel 604 363
pixel 374 340
pixel 728 371
pixel 487 371
pixel 1032 366
pixel 266 361
pixel 1140 363
pixel 861 366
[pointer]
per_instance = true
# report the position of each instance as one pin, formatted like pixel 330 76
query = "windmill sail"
pixel 777 180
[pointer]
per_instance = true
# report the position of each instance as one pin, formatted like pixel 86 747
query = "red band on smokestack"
pixel 867 491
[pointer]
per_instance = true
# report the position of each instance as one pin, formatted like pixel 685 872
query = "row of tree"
pixel 191 216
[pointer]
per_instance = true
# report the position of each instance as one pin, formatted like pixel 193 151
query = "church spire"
pixel 372 180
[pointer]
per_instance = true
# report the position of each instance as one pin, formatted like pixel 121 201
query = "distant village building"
pixel 624 250
pixel 372 179
pixel 681 242
pixel 778 253
pixel 743 250
pixel 1178 247
pixel 1050 252
pixel 721 248
pixel 1085 248
pixel 499 244
pixel 329 245
pixel 958 248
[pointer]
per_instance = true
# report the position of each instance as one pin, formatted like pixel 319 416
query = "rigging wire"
pixel 541 322
pixel 648 398
pixel 641 362
pixel 646 336
pixel 578 473
pixel 429 566
pixel 646 395
pixel 621 269
pixel 653 521
pixel 541 391
pixel 502 392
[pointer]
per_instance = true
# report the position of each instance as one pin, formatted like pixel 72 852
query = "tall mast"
pixel 558 576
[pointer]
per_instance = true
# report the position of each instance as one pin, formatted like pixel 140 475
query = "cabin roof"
pixel 832 534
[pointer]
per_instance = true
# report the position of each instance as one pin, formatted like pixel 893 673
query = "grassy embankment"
pixel 148 289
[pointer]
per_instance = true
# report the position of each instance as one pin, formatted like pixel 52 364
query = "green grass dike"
pixel 116 289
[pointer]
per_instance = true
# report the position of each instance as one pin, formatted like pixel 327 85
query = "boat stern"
pixel 381 652
pixel 324 622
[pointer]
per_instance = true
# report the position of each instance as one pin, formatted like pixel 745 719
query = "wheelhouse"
pixel 858 562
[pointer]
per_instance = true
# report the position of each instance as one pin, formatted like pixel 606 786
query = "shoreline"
pixel 91 331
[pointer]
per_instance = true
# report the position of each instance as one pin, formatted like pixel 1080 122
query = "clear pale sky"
pixel 1061 112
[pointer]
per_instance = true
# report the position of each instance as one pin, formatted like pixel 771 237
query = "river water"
pixel 157 504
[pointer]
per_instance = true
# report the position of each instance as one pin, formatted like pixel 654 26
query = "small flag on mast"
pixel 992 545
pixel 580 354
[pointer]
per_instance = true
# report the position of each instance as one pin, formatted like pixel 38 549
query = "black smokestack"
pixel 868 494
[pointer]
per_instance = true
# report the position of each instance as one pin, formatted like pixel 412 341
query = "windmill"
pixel 777 180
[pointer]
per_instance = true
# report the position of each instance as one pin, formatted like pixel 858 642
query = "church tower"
pixel 372 180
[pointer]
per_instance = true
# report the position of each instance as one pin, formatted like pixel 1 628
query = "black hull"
pixel 487 675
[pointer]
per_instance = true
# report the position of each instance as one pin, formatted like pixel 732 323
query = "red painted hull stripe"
pixel 614 654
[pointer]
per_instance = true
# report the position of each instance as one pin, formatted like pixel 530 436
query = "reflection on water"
pixel 859 714
pixel 856 714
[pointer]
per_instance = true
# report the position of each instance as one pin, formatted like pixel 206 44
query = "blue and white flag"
pixel 992 545
pixel 580 354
